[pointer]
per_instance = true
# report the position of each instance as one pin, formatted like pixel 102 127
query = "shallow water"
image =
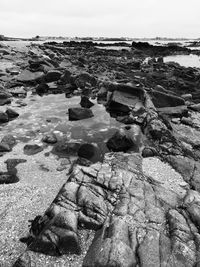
pixel 49 114
pixel 185 60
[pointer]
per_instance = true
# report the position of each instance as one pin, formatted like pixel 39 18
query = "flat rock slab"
pixel 140 218
pixel 28 76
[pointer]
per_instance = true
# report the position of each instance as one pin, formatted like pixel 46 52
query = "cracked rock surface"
pixel 140 219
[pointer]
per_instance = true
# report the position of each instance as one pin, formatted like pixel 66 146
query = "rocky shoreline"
pixel 134 203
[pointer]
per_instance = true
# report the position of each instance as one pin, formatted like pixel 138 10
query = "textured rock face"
pixel 140 221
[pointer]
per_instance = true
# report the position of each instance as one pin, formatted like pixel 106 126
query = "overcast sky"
pixel 112 18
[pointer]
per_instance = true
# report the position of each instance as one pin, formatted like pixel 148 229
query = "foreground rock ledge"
pixel 139 222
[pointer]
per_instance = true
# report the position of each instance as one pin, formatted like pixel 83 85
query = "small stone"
pixel 79 114
pixel 50 138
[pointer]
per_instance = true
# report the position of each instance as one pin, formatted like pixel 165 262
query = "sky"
pixel 106 18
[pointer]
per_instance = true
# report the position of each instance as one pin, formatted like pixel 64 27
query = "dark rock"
pixel 32 149
pixel 84 79
pixel 4 147
pixel 5 101
pixel 3 117
pixel 49 138
pixel 149 152
pixel 7 178
pixel 12 163
pixel 66 148
pixel 42 88
pixel 4 94
pixel 124 98
pixel 85 102
pixel 52 76
pixel 66 77
pixel 11 113
pixel 125 139
pixel 79 114
pixel 161 100
pixel 90 152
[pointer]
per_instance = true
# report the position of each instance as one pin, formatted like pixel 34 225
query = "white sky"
pixel 112 18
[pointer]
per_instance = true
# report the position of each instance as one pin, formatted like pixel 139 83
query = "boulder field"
pixel 138 204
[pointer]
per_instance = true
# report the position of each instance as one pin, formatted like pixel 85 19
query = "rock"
pixel 79 114
pixel 85 102
pixel 4 51
pixel 149 152
pixel 124 98
pixel 112 249
pixel 5 101
pixel 195 107
pixel 49 138
pixel 4 97
pixel 160 60
pixel 66 77
pixel 125 139
pixel 90 152
pixel 4 94
pixel 23 261
pixel 52 76
pixel 187 97
pixel 178 111
pixel 3 117
pixel 42 88
pixel 9 140
pixel 66 148
pixel 11 113
pixel 187 121
pixel 18 91
pixel 13 71
pixel 84 79
pixel 32 149
pixel 4 147
pixel 102 94
pixel 132 214
pixel 12 163
pixel 150 244
pixel 27 76
pixel 6 178
pixel 161 100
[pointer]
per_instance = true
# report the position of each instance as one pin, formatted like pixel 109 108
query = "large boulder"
pixel 79 113
pixel 124 98
pixel 90 152
pixel 52 76
pixel 125 139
